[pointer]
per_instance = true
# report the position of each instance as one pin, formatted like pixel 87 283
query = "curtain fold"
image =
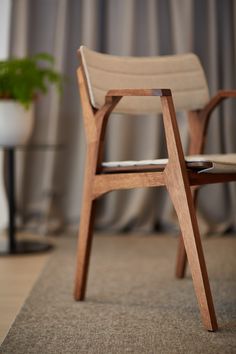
pixel 52 180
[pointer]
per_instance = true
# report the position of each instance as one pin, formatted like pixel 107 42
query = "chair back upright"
pixel 183 74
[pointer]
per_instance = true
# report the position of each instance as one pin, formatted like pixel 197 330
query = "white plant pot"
pixel 16 123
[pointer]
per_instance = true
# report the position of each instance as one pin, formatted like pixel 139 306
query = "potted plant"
pixel 21 80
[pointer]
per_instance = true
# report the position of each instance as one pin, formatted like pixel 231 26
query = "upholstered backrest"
pixel 183 74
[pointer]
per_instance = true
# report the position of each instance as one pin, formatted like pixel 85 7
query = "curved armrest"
pixel 113 97
pixel 200 121
pixel 215 101
pixel 173 141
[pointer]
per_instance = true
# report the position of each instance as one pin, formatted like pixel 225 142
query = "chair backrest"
pixel 183 74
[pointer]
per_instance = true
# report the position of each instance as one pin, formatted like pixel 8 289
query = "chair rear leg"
pixel 182 199
pixel 84 245
pixel 181 260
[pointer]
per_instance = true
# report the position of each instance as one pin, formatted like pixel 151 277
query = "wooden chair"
pixel 145 85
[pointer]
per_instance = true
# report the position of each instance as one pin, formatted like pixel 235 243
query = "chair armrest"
pixel 200 121
pixel 173 141
pixel 215 101
pixel 138 92
pixel 113 97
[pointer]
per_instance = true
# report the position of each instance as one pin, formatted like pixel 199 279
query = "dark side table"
pixel 14 246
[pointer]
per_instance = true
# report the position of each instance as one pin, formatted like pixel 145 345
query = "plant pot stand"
pixel 13 246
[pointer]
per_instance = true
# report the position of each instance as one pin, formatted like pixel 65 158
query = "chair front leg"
pixel 181 196
pixel 84 247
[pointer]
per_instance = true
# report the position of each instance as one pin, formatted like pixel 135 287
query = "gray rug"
pixel 134 304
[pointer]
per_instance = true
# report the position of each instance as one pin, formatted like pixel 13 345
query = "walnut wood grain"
pixel 204 116
pixel 198 128
pixel 177 183
pixel 106 183
pixel 139 92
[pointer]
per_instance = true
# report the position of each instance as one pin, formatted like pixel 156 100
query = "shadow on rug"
pixel 134 304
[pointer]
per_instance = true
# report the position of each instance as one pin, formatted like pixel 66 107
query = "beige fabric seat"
pixel 221 163
pixel 151 85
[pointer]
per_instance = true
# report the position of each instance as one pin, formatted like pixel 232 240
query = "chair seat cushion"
pixel 221 163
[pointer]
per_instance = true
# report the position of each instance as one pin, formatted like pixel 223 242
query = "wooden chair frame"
pixel 175 176
pixel 198 128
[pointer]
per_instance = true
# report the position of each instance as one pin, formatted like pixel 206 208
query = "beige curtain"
pixel 51 179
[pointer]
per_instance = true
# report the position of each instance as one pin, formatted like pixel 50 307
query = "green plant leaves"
pixel 23 79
